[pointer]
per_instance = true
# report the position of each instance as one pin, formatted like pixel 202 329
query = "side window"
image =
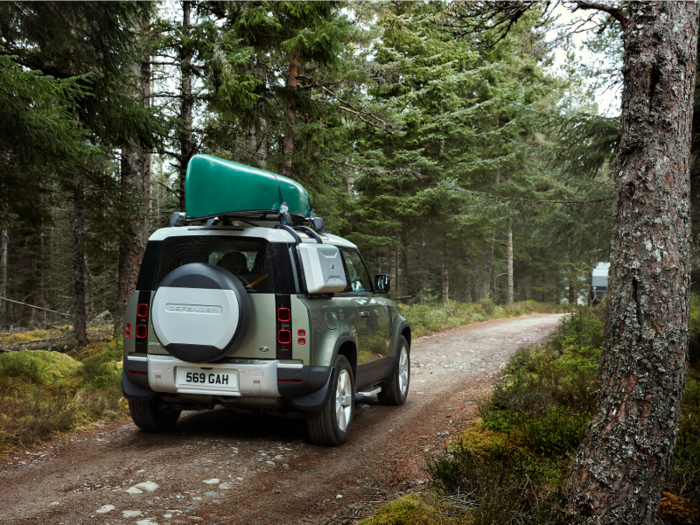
pixel 357 275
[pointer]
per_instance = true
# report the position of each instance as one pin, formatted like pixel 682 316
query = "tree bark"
pixel 488 266
pixel 403 264
pixel 445 272
pixel 186 100
pixel 467 286
pixel 573 289
pixel 136 200
pixel 4 241
pixel 511 291
pixel 424 282
pixel 79 266
pixel 290 113
pixel 619 470
pixel 393 269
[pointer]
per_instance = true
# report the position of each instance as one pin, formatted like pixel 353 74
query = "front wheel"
pixel 330 426
pixel 396 391
pixel 149 416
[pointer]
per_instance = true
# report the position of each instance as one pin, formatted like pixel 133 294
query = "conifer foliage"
pixel 462 171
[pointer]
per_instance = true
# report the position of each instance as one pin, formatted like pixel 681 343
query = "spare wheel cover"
pixel 200 312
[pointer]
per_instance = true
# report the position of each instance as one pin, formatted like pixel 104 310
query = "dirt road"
pixel 221 467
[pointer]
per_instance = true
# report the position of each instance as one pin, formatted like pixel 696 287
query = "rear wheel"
pixel 331 425
pixel 396 392
pixel 149 416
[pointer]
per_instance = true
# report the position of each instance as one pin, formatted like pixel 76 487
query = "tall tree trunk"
pixel 186 100
pixel 393 268
pixel 424 282
pixel 261 153
pixel 488 266
pixel 511 291
pixel 4 241
pixel 79 266
pixel 573 289
pixel 527 287
pixel 403 264
pixel 136 199
pixel 290 113
pixel 445 272
pixel 621 466
pixel 467 283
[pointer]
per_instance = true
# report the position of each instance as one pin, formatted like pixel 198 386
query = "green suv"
pixel 260 316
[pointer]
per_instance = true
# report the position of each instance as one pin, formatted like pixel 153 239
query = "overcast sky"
pixel 607 97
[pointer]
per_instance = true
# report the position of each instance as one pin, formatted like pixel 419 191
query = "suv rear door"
pixel 373 321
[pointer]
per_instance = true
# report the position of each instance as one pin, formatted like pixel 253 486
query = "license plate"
pixel 207 378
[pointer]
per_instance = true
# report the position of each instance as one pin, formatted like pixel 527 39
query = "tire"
pixel 396 391
pixel 331 426
pixel 149 416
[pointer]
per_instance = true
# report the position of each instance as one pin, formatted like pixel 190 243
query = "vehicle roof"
pixel 269 234
pixel 601 269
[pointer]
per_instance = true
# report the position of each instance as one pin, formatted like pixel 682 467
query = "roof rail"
pixel 288 229
pixel 309 232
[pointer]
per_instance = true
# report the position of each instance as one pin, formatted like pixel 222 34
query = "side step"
pixel 367 393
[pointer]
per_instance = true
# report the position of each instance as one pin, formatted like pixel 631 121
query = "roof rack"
pixel 315 227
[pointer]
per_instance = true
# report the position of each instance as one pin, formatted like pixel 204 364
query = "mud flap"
pixel 316 400
pixel 135 392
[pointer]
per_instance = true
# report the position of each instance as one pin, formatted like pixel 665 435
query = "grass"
pixel 514 462
pixel 429 319
pixel 47 393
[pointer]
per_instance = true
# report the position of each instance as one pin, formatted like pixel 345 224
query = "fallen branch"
pixel 37 307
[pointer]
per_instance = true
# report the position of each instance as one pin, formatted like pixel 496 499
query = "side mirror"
pixel 382 283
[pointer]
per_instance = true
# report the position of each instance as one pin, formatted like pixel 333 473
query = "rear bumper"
pixel 304 387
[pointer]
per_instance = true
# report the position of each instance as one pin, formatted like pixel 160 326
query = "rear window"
pixel 248 259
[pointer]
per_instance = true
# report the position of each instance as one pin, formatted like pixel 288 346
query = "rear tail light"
pixel 284 329
pixel 301 333
pixel 141 331
pixel 284 315
pixel 128 330
pixel 142 310
pixel 302 341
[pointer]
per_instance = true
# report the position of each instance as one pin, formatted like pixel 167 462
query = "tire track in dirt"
pixel 260 469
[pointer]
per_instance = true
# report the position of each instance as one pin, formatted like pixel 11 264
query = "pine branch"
pixel 359 112
pixel 177 196
pixel 612 11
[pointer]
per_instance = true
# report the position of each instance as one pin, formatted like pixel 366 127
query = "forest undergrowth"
pixel 51 393
pixel 48 393
pixel 510 468
pixel 431 318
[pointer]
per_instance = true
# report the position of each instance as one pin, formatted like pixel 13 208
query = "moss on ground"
pixel 44 393
pixel 414 509
pixel 43 368
pixel 482 441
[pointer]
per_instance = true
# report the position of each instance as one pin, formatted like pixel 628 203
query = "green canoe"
pixel 215 186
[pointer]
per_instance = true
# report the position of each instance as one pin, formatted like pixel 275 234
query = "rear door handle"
pixel 364 314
